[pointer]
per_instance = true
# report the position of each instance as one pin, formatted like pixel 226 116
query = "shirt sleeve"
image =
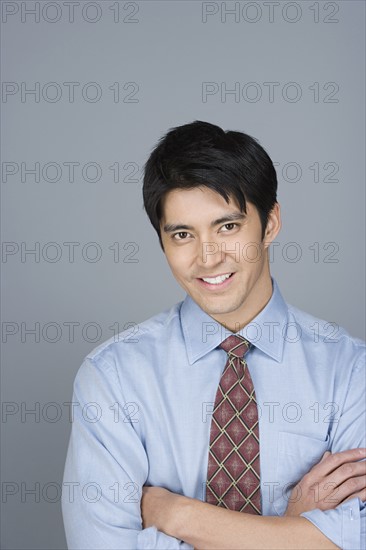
pixel 345 525
pixel 106 467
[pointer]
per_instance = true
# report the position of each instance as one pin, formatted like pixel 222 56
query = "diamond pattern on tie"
pixel 233 475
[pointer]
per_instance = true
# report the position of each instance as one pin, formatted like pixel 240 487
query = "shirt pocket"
pixel 296 455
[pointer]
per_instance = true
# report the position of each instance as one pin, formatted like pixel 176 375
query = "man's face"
pixel 204 237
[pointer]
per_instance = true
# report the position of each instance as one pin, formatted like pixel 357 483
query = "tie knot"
pixel 235 345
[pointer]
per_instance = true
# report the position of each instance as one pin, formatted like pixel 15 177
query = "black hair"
pixel 199 154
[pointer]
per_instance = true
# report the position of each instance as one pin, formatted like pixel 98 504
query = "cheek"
pixel 254 255
pixel 176 262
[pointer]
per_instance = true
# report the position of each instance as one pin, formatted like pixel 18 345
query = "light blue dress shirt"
pixel 142 416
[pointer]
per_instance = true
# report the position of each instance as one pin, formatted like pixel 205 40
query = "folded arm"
pixel 336 479
pixel 330 513
pixel 209 527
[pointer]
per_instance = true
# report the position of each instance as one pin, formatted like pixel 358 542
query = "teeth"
pixel 217 280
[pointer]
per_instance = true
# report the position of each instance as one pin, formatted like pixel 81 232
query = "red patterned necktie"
pixel 233 462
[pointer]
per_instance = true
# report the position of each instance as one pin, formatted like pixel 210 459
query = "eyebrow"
pixel 170 227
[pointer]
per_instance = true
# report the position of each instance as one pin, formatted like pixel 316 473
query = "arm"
pixel 209 527
pixel 345 524
pixel 336 513
pixel 212 527
pixel 106 467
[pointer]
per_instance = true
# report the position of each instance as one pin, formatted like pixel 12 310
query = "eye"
pixel 182 235
pixel 229 226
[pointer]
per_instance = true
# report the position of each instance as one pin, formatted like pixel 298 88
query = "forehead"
pixel 195 201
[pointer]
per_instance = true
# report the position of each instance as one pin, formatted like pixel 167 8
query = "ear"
pixel 274 225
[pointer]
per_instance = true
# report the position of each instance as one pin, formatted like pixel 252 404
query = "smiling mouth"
pixel 212 282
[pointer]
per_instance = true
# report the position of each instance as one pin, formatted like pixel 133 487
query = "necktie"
pixel 233 460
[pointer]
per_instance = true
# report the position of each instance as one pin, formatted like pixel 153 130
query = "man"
pixel 241 426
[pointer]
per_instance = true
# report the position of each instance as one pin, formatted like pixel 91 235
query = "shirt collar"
pixel 202 333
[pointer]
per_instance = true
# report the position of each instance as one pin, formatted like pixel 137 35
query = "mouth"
pixel 216 283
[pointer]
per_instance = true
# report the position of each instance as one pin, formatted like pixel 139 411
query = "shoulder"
pixel 323 335
pixel 138 338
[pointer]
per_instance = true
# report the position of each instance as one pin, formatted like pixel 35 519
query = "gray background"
pixel 168 51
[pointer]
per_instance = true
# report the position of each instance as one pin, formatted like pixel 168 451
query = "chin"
pixel 217 309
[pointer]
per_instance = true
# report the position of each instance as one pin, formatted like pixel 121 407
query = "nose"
pixel 209 255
